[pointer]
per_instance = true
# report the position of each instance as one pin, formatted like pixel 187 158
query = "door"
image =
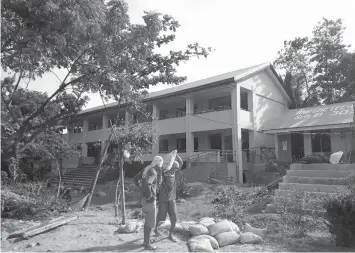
pixel 297 146
pixel 228 146
pixel 94 150
pixel 216 141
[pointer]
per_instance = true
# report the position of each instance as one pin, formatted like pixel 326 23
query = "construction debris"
pixel 43 227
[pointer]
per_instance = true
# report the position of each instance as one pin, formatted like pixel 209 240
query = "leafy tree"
pixel 52 146
pixel 97 45
pixel 318 69
pixel 326 51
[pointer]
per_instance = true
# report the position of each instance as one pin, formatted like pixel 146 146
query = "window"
pixel 219 104
pixel 163 146
pixel 163 114
pixel 180 112
pixel 244 101
pixel 321 142
pixel 195 108
pixel 181 145
pixel 77 129
pixel 113 120
pixel 95 125
pixel 195 144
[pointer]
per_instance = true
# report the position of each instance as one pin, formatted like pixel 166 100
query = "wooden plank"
pixel 43 227
pixel 21 232
pixel 48 226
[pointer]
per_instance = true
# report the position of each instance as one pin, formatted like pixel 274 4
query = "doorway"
pixel 297 146
pixel 215 141
pixel 245 143
pixel 94 150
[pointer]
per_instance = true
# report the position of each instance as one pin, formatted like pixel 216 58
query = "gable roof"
pixel 318 117
pixel 233 76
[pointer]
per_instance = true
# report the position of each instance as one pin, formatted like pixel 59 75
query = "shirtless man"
pixel 167 197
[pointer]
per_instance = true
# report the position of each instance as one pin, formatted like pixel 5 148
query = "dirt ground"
pixel 95 230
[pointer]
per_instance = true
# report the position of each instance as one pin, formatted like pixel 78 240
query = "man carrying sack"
pixel 148 181
pixel 167 196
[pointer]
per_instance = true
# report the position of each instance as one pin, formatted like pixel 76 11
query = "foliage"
pixel 314 158
pixel 232 201
pixel 182 190
pixel 97 45
pixel 276 166
pixel 298 211
pixel 30 200
pixel 318 69
pixel 340 214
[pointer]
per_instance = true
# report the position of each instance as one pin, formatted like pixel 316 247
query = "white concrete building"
pixel 222 114
pixel 232 120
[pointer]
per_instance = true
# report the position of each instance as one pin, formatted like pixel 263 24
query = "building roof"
pixel 233 76
pixel 319 117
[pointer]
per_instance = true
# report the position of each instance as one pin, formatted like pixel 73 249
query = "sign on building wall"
pixel 284 145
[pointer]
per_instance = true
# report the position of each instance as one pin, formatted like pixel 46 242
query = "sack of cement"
pixel 257 231
pixel 184 226
pixel 213 240
pixel 201 245
pixel 249 237
pixel 129 227
pixel 336 157
pixel 234 227
pixel 227 238
pixel 198 229
pixel 220 227
pixel 165 225
pixel 206 221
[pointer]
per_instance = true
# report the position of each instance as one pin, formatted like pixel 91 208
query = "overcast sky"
pixel 243 33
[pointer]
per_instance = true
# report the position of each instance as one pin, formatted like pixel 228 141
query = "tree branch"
pixel 16 86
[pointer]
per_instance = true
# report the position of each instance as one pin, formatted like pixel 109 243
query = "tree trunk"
pixel 60 178
pixel 123 200
pixel 117 195
pixel 93 185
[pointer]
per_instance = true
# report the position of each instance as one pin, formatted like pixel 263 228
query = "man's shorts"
pixel 167 207
pixel 149 210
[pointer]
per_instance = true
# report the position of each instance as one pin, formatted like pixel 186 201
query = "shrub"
pixel 340 214
pixel 314 158
pixel 298 211
pixel 29 200
pixel 182 191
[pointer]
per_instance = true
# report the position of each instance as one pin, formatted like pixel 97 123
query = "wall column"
pixel 277 146
pixel 155 146
pixel 189 134
pixel 85 145
pixel 307 143
pixel 237 133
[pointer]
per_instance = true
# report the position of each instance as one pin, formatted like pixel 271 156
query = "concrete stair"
pixel 80 176
pixel 318 181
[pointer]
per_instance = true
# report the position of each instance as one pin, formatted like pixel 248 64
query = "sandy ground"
pixel 95 230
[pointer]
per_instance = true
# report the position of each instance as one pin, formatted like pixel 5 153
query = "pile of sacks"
pixel 208 234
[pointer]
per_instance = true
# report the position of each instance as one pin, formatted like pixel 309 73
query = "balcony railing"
pixel 215 109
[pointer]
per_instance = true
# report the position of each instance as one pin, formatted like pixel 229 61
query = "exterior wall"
pixel 201 172
pixel 211 121
pixel 264 99
pixel 285 155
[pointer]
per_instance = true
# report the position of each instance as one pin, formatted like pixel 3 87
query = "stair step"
pixel 313 187
pixel 318 173
pixel 286 193
pixel 313 180
pixel 323 166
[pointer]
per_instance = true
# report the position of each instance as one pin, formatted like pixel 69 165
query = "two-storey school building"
pixel 232 120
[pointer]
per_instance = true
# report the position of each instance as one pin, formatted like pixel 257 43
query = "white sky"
pixel 243 33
